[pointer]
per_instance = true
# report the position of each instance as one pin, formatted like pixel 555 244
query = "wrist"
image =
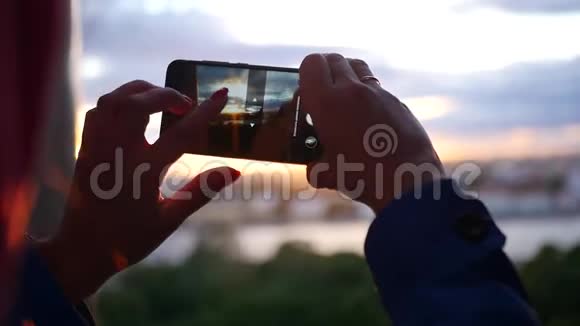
pixel 79 274
pixel 404 178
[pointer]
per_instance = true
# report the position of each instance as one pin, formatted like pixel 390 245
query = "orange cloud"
pixel 514 143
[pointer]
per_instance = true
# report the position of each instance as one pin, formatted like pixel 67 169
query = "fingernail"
pixel 220 94
pixel 183 108
pixel 121 262
pixel 179 110
pixel 235 174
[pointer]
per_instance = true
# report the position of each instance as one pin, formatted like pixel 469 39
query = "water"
pixel 526 236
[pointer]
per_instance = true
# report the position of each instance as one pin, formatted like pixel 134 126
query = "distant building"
pixel 573 183
pixel 508 204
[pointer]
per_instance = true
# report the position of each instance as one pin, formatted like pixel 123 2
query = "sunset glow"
pixel 429 107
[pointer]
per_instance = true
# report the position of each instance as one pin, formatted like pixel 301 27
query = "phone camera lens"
pixel 311 142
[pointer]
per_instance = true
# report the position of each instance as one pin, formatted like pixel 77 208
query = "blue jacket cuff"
pixel 41 300
pixel 429 236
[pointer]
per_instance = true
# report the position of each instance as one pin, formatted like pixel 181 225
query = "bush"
pixel 297 287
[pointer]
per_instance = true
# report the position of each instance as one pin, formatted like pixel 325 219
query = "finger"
pixel 340 69
pixel 134 110
pixel 150 101
pixel 132 87
pixel 157 100
pixel 133 127
pixel 90 133
pixel 183 135
pixel 195 195
pixel 110 100
pixel 362 69
pixel 315 82
pixel 315 73
pixel 319 174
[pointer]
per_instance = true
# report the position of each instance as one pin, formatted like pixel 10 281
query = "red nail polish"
pixel 220 94
pixel 179 110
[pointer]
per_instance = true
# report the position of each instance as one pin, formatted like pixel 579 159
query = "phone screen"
pixel 262 119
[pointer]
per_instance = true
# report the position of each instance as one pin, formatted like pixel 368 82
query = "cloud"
pixel 525 95
pixel 532 6
pixel 528 95
pixel 133 44
pixel 518 142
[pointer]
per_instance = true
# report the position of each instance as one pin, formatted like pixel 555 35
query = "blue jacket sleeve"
pixel 40 299
pixel 437 259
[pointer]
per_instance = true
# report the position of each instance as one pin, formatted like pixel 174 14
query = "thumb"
pixel 195 195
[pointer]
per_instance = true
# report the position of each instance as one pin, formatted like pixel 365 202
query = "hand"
pixel 115 217
pixel 360 123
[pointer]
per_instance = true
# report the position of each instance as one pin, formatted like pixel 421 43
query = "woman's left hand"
pixel 115 215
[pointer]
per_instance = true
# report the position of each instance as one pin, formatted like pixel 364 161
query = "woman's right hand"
pixel 374 148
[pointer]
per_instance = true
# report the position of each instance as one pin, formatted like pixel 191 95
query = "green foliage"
pixel 552 279
pixel 296 287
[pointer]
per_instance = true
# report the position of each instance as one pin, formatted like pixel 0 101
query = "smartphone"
pixel 262 119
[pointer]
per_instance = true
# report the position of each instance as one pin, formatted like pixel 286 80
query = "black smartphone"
pixel 262 119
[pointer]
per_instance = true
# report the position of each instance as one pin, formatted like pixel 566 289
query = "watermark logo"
pixel 380 140
pixel 354 179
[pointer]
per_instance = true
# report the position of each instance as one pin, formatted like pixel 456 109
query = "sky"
pixel 488 78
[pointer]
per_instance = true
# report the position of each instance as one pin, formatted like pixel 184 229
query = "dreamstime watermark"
pixel 380 140
pixel 380 175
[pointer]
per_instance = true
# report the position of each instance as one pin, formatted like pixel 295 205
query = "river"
pixel 525 237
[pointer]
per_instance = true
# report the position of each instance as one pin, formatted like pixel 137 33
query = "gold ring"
pixel 373 78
